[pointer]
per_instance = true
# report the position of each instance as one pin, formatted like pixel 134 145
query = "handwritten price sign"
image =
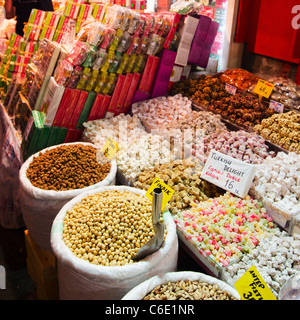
pixel 109 148
pixel 277 106
pixel 251 286
pixel 166 190
pixel 263 88
pixel 230 89
pixel 228 173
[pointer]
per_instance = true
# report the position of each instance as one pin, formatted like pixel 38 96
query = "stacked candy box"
pixel 224 228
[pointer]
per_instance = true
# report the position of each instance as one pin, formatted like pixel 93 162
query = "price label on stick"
pixel 228 173
pixel 251 286
pixel 263 88
pixel 277 106
pixel 230 89
pixel 166 190
pixel 110 148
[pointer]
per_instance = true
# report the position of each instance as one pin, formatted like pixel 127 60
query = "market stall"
pixel 99 94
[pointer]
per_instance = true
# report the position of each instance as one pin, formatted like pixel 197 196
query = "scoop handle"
pixel 156 205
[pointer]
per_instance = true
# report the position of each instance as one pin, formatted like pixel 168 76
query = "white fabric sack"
pixel 140 291
pixel 40 207
pixel 80 280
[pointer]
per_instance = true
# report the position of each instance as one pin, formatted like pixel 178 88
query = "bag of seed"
pixel 186 285
pixel 52 177
pixel 95 236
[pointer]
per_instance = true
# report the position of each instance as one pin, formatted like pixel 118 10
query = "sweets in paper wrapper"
pixel 240 78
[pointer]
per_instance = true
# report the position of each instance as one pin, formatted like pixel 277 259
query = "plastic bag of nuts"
pixel 53 176
pixel 92 276
pixel 183 285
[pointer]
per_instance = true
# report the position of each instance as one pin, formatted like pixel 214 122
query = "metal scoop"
pixel 154 243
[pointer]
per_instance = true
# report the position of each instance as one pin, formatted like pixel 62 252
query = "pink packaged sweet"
pixel 78 53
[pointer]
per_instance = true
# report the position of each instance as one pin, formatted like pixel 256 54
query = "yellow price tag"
pixel 109 148
pixel 251 286
pixel 263 88
pixel 166 190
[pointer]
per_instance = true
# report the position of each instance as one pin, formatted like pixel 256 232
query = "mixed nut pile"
pixel 188 290
pixel 67 167
pixel 282 129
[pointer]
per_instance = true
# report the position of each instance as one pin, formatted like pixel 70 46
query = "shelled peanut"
pixel 108 228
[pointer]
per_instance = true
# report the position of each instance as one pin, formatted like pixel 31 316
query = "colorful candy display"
pixel 225 227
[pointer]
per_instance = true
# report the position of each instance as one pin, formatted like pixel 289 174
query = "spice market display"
pixel 100 102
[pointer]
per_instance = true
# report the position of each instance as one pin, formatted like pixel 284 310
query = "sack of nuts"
pixel 95 236
pixel 183 285
pixel 55 175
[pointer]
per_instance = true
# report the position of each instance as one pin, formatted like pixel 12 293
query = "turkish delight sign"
pixel 228 173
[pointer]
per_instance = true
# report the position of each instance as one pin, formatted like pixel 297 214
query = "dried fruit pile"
pixel 203 90
pixel 242 110
pixel 67 167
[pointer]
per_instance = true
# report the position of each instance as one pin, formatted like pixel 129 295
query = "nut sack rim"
pixel 62 252
pixel 42 194
pixel 141 290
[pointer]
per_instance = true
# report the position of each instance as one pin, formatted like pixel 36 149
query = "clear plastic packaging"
pixel 156 43
pixel 63 72
pixel 100 60
pixel 291 289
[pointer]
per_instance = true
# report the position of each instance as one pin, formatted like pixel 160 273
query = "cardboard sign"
pixel 277 106
pixel 251 286
pixel 230 89
pixel 109 148
pixel 263 88
pixel 228 173
pixel 166 190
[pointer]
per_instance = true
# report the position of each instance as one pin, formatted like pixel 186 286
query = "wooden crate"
pixel 41 266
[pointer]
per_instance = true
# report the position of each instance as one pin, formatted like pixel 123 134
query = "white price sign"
pixel 230 89
pixel 228 173
pixel 277 106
